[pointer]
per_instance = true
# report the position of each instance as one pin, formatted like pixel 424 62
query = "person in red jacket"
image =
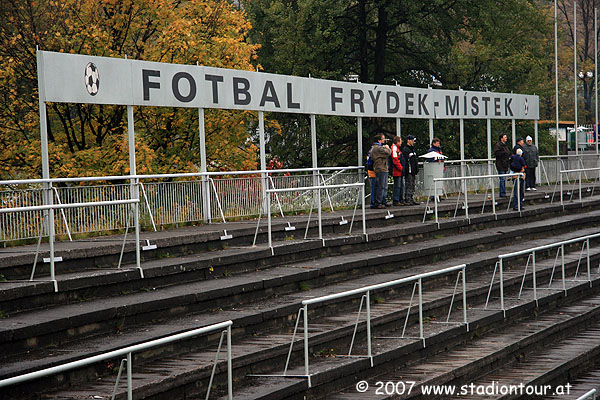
pixel 398 190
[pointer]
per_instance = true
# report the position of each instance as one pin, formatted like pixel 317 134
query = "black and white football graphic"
pixel 92 79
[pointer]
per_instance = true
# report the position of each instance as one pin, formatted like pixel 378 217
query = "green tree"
pixel 476 45
pixel 90 139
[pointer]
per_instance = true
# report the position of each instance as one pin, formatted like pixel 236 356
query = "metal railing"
pixel 433 193
pixel 318 188
pixel 196 197
pixel 365 293
pixel 531 258
pixel 193 197
pixel 52 207
pixel 137 348
pixel 580 176
pixel 550 166
pixel 591 395
pixel 83 199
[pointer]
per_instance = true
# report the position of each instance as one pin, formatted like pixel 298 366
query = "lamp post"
pixel 586 79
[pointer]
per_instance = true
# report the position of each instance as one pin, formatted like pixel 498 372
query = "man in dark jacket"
pixel 532 158
pixel 520 145
pixel 379 154
pixel 437 148
pixel 502 155
pixel 412 168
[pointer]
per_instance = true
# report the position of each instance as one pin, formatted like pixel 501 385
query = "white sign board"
pixel 71 78
pixel 562 133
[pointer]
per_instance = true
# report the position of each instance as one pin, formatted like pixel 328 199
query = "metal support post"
pixel 464 281
pixel 134 187
pixel 534 278
pixel 556 77
pixel 436 203
pixel 519 193
pixel 206 212
pixel 430 130
pixel 229 366
pixel 364 218
pixel 359 140
pixel 502 288
pixel 564 281
pixel 306 344
pixel 514 132
pixel 315 164
pixel 596 75
pixel 263 161
pixel 47 193
pixel 466 198
pixel 421 333
pixel 538 175
pixel 369 345
pixel 575 72
pixel 561 190
pixel 580 187
pixel 462 146
pixel 129 378
pixel 589 265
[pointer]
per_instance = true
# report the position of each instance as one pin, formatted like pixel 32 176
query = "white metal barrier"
pixel 52 259
pixel 207 186
pixel 580 172
pixel 465 192
pixel 499 267
pixel 134 349
pixel 365 293
pixel 591 395
pixel 190 198
pixel 318 188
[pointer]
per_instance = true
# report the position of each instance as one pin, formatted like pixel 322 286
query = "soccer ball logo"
pixel 92 79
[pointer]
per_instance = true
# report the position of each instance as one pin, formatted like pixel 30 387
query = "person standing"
pixel 396 168
pixel 372 178
pixel 502 161
pixel 437 148
pixel 517 164
pixel 532 159
pixel 412 168
pixel 520 145
pixel 379 154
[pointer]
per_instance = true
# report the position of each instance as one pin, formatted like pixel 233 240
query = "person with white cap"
pixel 517 164
pixel 532 158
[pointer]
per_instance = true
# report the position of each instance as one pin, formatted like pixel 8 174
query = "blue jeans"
pixel 398 191
pixel 381 188
pixel 520 195
pixel 373 183
pixel 502 184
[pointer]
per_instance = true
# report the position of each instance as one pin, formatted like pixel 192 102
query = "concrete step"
pixel 454 370
pixel 540 370
pixel 580 383
pixel 325 334
pixel 87 278
pixel 55 326
pixel 439 341
pixel 85 284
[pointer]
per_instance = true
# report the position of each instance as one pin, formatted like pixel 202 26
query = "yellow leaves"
pixel 210 32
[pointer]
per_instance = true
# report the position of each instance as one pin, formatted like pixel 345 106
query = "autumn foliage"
pixel 91 139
